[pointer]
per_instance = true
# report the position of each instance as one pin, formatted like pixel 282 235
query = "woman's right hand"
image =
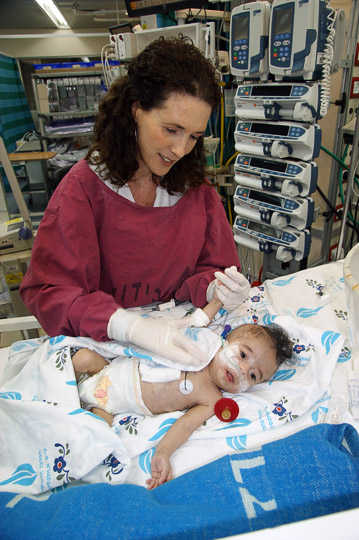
pixel 158 336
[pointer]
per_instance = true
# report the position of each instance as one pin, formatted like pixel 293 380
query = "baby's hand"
pixel 161 471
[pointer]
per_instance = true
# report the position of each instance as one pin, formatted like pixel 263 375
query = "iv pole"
pixel 350 183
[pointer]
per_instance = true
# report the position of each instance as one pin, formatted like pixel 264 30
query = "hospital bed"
pixel 290 460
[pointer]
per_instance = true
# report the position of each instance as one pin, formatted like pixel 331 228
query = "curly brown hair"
pixel 164 67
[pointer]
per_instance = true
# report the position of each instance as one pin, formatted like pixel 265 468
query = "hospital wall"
pixel 53 44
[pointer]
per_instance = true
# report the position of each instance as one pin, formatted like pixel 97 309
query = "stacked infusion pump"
pixel 282 55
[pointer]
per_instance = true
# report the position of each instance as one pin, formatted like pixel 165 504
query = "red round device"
pixel 226 409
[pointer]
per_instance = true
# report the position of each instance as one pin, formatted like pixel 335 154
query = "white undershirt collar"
pixel 163 198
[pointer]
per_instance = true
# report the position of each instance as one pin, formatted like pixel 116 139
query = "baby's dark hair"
pixel 276 337
pixel 280 341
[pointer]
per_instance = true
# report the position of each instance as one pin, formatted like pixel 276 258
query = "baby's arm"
pixel 179 432
pixel 212 308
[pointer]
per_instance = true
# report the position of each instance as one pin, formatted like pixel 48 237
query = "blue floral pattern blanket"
pixel 48 441
pixel 280 454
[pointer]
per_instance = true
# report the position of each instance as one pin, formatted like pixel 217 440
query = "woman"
pixel 136 221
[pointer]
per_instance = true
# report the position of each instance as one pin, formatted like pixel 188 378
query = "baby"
pixel 250 355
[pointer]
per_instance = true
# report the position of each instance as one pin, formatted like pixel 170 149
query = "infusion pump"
pixel 297 38
pixel 291 178
pixel 278 101
pixel 274 209
pixel 287 243
pixel 249 40
pixel 287 39
pixel 278 139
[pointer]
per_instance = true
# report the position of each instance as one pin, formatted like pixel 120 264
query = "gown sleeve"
pixel 61 285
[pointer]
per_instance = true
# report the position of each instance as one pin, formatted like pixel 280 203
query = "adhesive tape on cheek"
pixel 243 385
pixel 229 357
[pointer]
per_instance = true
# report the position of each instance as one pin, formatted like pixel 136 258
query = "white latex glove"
pixel 231 288
pixel 155 335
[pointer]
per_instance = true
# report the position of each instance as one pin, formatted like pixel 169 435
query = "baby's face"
pixel 246 361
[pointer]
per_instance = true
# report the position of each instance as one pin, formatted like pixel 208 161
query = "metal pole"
pixel 338 144
pixel 353 165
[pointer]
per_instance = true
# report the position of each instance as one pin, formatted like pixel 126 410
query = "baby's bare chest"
pixel 189 390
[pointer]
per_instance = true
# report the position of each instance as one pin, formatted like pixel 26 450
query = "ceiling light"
pixel 52 11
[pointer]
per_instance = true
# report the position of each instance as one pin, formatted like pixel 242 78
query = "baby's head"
pixel 250 355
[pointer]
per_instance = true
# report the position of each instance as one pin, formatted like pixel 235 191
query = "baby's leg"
pixel 86 361
pixel 103 414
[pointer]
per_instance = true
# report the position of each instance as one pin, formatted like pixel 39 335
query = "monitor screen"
pixel 283 19
pixel 137 8
pixel 240 27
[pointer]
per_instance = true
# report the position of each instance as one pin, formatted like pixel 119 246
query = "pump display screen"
pixel 283 19
pixel 240 27
pixel 263 196
pixel 280 90
pixel 264 229
pixel 271 129
pixel 267 164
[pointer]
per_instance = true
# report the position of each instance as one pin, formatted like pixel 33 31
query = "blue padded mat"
pixel 312 473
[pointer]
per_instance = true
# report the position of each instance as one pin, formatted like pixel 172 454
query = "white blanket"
pixel 47 440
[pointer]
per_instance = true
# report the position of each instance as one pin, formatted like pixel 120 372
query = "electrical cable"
pixel 106 51
pixel 327 63
pixel 338 160
pixel 327 201
pixel 353 230
pixel 221 28
pixel 231 158
pixel 334 210
pixel 341 190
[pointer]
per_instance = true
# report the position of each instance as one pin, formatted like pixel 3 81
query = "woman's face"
pixel 166 134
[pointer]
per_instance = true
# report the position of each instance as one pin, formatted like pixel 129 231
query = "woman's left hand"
pixel 231 288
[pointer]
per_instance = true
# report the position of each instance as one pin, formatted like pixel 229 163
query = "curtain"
pixel 15 115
